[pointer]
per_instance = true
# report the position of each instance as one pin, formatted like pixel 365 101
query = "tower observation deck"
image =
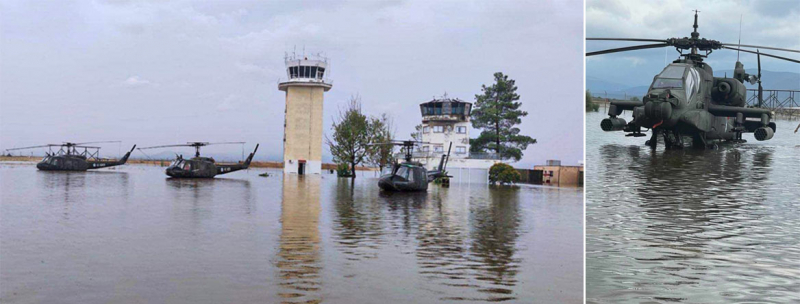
pixel 302 134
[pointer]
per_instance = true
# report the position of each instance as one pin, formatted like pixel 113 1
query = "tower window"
pixel 313 73
pixel 461 130
pixel 461 150
pixel 438 149
pixel 426 129
pixel 438 129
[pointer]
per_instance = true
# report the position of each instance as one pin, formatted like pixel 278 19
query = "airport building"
pixel 302 132
pixel 445 121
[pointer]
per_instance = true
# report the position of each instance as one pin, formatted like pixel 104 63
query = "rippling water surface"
pixel 132 235
pixel 692 226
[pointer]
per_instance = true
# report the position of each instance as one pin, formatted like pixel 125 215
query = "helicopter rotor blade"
pixel 165 146
pixel 89 147
pixel 32 147
pixel 762 54
pixel 628 48
pixel 760 47
pixel 98 142
pixel 628 39
pixel 225 143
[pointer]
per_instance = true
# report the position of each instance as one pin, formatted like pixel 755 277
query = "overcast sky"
pixel 162 72
pixel 764 22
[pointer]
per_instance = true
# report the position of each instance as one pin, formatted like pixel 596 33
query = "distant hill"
pixel 769 80
pixel 601 87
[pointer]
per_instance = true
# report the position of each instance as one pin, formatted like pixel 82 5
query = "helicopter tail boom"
pixel 228 168
pixel 97 164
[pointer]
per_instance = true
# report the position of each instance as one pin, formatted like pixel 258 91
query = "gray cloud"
pixel 767 23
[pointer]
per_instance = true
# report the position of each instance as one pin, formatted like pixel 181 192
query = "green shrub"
pixel 590 106
pixel 503 174
pixel 343 170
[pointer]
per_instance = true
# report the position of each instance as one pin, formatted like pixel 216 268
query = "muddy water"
pixel 692 226
pixel 132 235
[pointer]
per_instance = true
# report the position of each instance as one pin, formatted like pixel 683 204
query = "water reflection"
pixel 70 187
pixel 469 253
pixel 203 190
pixel 690 225
pixel 358 222
pixel 268 240
pixel 299 260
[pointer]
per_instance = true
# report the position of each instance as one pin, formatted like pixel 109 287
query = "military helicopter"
pixel 202 167
pixel 685 99
pixel 68 158
pixel 410 175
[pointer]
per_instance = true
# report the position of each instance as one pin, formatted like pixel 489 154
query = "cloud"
pixel 135 82
pixel 229 103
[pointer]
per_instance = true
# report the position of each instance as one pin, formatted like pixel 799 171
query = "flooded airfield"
pixel 692 226
pixel 133 235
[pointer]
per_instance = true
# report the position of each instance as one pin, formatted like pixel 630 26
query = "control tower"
pixel 444 121
pixel 302 131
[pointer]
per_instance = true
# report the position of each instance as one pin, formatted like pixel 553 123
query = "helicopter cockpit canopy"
pixel 180 163
pixel 678 76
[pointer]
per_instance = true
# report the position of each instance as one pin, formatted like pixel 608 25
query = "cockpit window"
pixel 673 71
pixel 403 172
pixel 667 83
pixel 670 78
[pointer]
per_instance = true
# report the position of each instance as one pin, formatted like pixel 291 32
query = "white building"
pixel 446 121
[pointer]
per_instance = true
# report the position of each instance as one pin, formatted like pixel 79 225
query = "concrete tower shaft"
pixel 305 87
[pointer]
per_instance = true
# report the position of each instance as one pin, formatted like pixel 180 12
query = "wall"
pixel 449 135
pixel 303 131
pixel 563 176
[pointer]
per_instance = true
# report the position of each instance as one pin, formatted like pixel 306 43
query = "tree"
pixel 496 111
pixel 590 106
pixel 634 98
pixel 417 135
pixel 351 136
pixel 503 174
pixel 381 153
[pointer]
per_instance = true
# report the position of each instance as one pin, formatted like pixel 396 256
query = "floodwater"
pixel 692 226
pixel 132 235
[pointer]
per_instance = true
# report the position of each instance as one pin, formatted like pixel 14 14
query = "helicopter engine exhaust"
pixel 613 124
pixel 764 133
pixel 728 92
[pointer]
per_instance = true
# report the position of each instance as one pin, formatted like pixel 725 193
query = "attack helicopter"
pixel 411 175
pixel 685 99
pixel 69 158
pixel 202 167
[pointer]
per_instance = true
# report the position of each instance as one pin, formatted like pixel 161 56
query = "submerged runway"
pixel 133 235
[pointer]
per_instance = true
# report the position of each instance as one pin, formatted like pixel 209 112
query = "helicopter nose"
pixel 658 110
